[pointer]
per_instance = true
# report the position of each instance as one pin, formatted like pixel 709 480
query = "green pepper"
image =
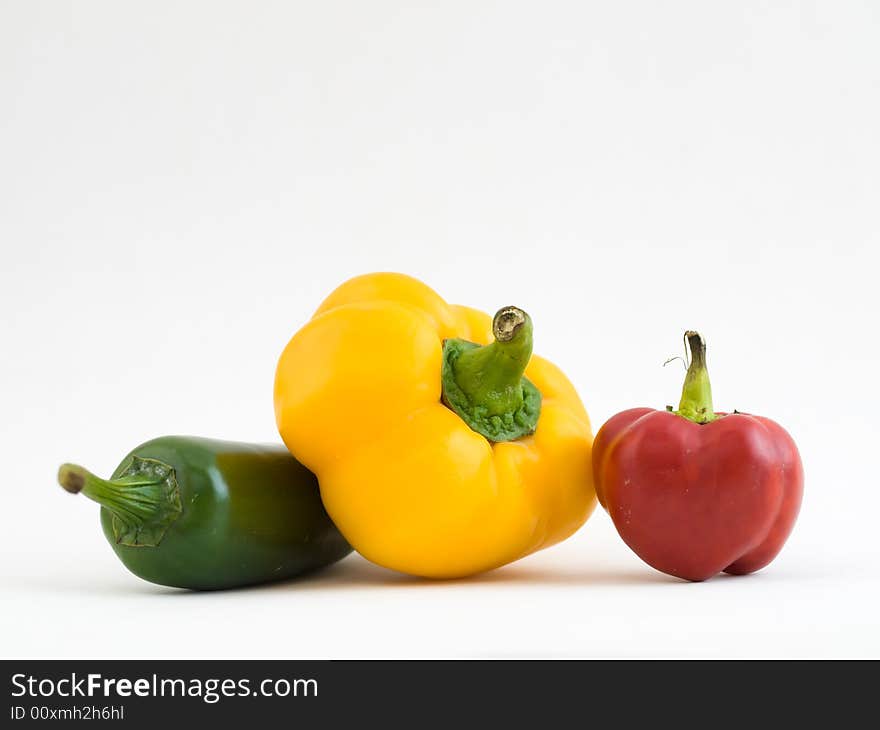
pixel 204 514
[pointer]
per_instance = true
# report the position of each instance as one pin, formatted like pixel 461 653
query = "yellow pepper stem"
pixel 485 386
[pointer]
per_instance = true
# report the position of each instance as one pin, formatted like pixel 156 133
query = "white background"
pixel 182 183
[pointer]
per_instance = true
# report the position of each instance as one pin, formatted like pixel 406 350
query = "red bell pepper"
pixel 694 492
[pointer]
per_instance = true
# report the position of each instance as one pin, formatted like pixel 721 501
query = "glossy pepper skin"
pixel 435 457
pixel 694 492
pixel 205 514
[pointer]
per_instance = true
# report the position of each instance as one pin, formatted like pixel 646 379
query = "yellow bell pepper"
pixel 435 457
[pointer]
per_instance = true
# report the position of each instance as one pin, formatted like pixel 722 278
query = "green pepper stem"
pixel 131 499
pixel 696 394
pixel 485 386
pixel 144 500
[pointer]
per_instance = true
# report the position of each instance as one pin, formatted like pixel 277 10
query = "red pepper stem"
pixel 696 394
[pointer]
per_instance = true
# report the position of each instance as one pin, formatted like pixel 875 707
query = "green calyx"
pixel 696 394
pixel 484 384
pixel 144 500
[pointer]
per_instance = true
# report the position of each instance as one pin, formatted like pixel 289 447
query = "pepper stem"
pixel 696 394
pixel 485 386
pixel 144 500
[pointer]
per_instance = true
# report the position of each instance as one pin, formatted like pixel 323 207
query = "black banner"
pixel 414 693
